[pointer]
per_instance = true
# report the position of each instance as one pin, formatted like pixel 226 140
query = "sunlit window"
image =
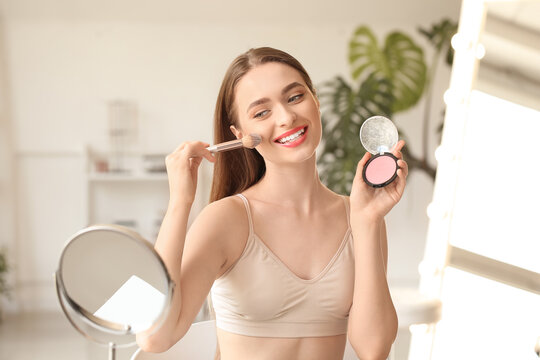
pixel 484 319
pixel 497 201
pixel 482 252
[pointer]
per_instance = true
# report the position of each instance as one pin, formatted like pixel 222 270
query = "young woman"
pixel 293 267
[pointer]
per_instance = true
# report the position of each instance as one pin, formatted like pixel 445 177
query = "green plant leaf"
pixel 4 267
pixel 440 35
pixel 344 110
pixel 400 62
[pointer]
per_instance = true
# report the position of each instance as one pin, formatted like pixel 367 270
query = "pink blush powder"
pixel 381 169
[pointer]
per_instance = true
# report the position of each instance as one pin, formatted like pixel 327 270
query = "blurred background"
pixel 93 95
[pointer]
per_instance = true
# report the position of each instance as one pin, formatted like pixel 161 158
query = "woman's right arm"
pixel 193 261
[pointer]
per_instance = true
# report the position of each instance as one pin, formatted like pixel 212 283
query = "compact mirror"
pixel 379 135
pixel 111 284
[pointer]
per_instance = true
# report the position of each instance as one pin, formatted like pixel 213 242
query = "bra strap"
pixel 347 210
pixel 248 211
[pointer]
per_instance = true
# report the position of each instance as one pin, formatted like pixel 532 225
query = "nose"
pixel 286 117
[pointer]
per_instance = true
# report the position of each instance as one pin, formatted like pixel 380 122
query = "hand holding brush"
pixel 183 164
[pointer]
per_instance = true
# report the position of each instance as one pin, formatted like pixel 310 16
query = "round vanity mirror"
pixel 111 284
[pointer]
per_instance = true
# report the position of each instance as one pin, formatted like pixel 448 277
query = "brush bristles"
pixel 251 140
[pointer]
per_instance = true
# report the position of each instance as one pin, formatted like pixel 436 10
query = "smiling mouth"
pixel 291 138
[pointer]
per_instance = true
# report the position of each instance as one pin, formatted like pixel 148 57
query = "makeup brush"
pixel 248 141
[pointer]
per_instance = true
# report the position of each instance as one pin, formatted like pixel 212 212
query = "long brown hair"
pixel 235 171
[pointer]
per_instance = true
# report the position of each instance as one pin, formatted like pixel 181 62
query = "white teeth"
pixel 291 137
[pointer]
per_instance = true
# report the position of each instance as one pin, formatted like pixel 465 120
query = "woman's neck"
pixel 292 185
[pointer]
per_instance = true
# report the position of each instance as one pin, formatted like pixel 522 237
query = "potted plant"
pixel 4 268
pixel 386 79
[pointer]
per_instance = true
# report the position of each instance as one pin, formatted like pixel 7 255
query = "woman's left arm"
pixel 384 245
pixel 372 320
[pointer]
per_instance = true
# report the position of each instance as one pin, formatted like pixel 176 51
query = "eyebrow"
pixel 265 100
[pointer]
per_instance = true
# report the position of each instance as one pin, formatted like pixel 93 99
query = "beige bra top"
pixel 260 296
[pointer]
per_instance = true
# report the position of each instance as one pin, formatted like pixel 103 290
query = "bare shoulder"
pixel 223 223
pixel 344 198
pixel 338 198
pixel 223 216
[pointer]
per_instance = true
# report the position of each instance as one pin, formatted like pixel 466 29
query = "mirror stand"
pixel 111 345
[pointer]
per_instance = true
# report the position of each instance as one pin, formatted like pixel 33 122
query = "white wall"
pixel 7 165
pixel 64 62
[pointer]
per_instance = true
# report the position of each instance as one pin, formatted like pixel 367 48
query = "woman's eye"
pixel 260 114
pixel 295 98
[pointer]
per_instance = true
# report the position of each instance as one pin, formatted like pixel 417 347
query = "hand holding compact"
pixel 380 178
pixel 379 136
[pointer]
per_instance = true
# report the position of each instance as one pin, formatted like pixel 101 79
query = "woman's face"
pixel 273 100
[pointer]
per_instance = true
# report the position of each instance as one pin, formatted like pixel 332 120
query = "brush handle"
pixel 226 146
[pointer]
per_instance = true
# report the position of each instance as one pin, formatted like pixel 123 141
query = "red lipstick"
pixel 290 132
pixel 294 141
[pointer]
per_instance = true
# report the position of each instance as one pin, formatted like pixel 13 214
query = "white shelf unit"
pixel 136 195
pixel 127 178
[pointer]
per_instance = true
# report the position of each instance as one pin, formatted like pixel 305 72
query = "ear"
pixel 236 132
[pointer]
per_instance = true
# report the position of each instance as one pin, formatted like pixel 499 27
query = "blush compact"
pixel 379 135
